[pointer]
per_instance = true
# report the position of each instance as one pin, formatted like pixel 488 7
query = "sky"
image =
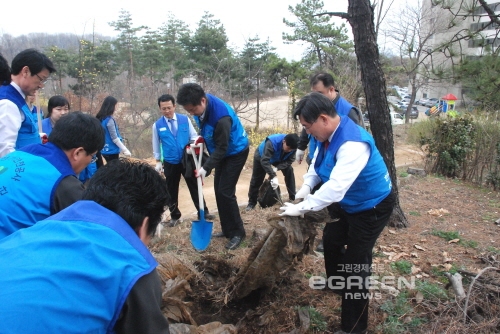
pixel 242 20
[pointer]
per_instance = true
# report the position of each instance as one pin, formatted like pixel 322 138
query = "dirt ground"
pixel 452 228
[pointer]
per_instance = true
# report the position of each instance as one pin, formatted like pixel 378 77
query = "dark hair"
pixel 292 140
pixel 35 60
pixel 107 108
pixel 325 78
pixel 56 101
pixel 190 93
pixel 78 130
pixel 131 189
pixel 4 71
pixel 166 98
pixel 312 105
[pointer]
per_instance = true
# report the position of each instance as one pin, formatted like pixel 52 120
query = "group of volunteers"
pixel 74 258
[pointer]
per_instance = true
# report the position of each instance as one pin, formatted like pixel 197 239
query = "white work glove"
pixel 299 156
pixel 122 147
pixel 275 169
pixel 303 192
pixel 200 173
pixel 44 138
pixel 293 210
pixel 158 166
pixel 274 183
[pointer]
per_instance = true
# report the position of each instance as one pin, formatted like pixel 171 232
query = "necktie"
pixel 173 129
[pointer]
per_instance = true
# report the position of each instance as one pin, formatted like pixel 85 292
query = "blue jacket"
pixel 28 133
pixel 30 176
pixel 46 126
pixel 70 273
pixel 277 141
pixel 109 146
pixel 215 110
pixel 173 146
pixel 372 185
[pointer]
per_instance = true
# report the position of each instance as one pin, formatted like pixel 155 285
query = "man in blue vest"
pixel 39 180
pixel 351 172
pixel 87 269
pixel 171 133
pixel 325 84
pixel 18 126
pixel 276 152
pixel 227 144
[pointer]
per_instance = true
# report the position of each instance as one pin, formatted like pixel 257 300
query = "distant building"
pixel 437 22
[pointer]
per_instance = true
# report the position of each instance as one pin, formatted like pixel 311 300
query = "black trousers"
pixel 258 175
pixel 358 232
pixel 173 174
pixel 226 176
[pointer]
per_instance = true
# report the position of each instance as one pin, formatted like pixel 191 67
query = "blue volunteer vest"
pixel 29 178
pixel 70 273
pixel 173 146
pixel 109 146
pixel 87 172
pixel 215 110
pixel 277 141
pixel 359 197
pixel 46 126
pixel 28 133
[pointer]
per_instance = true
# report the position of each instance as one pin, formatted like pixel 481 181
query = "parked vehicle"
pixel 413 112
pixel 396 118
pixel 431 102
pixel 422 101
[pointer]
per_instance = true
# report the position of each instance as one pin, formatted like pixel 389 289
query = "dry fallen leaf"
pixel 392 231
pixel 453 241
pixel 419 297
pixel 419 247
pixel 447 266
pixel 413 254
pixel 415 270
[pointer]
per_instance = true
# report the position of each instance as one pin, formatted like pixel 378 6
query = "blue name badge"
pixel 163 129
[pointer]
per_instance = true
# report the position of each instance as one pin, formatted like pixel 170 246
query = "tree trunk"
pixel 361 19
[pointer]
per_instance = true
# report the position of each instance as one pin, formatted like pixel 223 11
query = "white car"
pixel 396 118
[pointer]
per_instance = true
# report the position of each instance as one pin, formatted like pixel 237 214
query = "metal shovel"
pixel 201 230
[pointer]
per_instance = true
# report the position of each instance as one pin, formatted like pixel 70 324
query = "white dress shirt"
pixel 156 138
pixel 351 157
pixel 11 119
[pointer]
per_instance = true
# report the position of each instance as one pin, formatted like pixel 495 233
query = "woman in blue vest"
pixel 113 144
pixel 351 172
pixel 276 152
pixel 57 107
pixel 87 269
pixel 227 143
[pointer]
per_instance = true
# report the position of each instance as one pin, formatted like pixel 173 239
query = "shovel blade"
pixel 201 234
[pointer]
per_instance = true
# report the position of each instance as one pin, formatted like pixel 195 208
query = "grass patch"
pixel 468 243
pixel 450 235
pixel 493 249
pixel 403 174
pixel 318 321
pixel 402 266
pixel 414 213
pixel 396 322
pixel 432 291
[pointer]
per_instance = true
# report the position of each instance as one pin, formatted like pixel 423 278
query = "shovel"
pixel 201 230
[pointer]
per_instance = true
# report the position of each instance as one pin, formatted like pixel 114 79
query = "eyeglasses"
pixel 94 158
pixel 310 126
pixel 42 81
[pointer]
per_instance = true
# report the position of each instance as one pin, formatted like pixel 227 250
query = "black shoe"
pixel 320 248
pixel 250 207
pixel 209 216
pixel 173 222
pixel 234 242
pixel 218 235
